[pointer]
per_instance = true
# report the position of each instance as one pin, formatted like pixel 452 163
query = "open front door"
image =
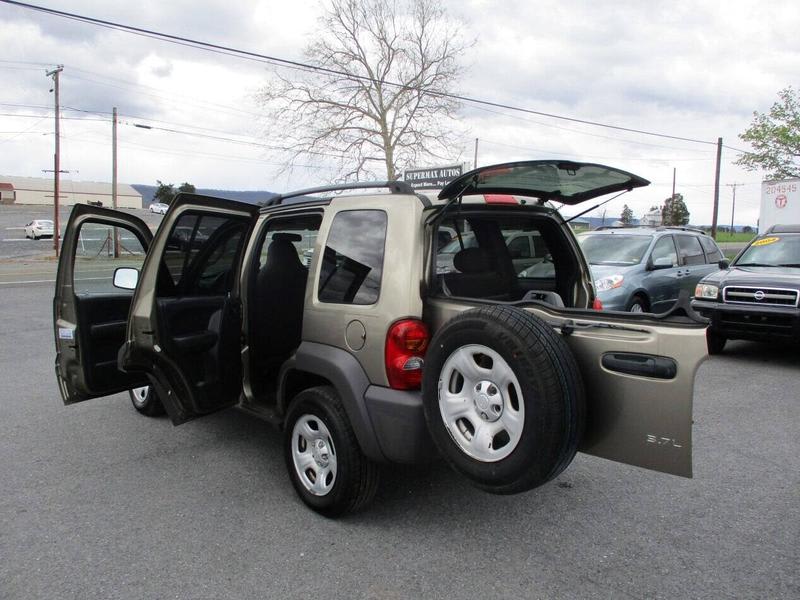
pixel 89 311
pixel 186 317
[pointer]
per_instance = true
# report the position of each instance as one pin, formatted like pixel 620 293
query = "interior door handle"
pixel 195 342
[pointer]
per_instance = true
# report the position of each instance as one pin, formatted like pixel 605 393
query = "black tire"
pixel 356 478
pixel 715 342
pixel 638 302
pixel 146 401
pixel 552 397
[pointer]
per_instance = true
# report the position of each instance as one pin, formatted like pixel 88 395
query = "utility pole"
pixel 733 207
pixel 716 190
pixel 114 176
pixel 475 164
pixel 673 181
pixel 57 158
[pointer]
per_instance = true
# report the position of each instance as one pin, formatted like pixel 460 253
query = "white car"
pixel 39 228
pixel 159 207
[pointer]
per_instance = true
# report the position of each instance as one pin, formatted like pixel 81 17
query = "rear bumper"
pixel 744 322
pixel 399 424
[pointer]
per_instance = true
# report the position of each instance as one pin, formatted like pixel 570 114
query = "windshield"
pixel 772 251
pixel 614 249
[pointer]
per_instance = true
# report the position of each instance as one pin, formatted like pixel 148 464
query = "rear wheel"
pixel 146 401
pixel 325 463
pixel 503 398
pixel 716 342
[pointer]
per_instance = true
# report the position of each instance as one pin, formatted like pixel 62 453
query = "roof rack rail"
pixel 680 228
pixel 395 187
pixel 784 228
pixel 606 227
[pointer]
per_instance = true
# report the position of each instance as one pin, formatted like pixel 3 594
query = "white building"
pixel 651 218
pixel 39 190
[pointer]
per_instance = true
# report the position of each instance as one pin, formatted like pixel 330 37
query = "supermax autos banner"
pixel 432 178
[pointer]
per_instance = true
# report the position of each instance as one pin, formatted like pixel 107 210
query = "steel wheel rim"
pixel 314 455
pixel 636 308
pixel 481 403
pixel 140 394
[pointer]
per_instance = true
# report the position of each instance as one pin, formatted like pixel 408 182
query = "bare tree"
pixel 351 110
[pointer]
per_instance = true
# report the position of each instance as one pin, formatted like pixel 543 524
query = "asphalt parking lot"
pixel 97 501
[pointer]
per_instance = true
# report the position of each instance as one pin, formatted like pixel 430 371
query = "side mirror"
pixel 661 263
pixel 126 278
pixel 724 264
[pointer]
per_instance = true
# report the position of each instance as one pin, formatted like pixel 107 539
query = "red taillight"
pixel 406 344
pixel 597 305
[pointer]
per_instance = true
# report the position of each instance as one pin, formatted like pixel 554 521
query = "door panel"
pixel 637 419
pixel 186 323
pixel 89 313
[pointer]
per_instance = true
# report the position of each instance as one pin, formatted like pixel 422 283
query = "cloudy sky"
pixel 689 69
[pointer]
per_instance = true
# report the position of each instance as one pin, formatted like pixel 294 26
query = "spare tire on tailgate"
pixel 503 398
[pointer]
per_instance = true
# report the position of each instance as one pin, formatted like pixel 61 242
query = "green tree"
pixel 627 215
pixel 674 211
pixel 775 138
pixel 165 192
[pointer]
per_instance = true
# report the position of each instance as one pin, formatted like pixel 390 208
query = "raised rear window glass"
pixel 201 254
pixel 352 261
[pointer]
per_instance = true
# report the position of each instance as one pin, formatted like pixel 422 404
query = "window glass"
pixel 352 261
pixel 713 253
pixel 690 250
pixel 100 250
pixel 301 231
pixel 665 248
pixel 520 246
pixel 526 248
pixel 201 255
pixel 614 248
pixel 773 250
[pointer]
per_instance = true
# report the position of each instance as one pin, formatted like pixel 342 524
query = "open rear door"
pixel 186 317
pixel 89 312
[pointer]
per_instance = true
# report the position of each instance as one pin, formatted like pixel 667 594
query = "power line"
pixel 594 156
pixel 293 64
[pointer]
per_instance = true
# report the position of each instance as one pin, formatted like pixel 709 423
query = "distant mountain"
pixel 251 197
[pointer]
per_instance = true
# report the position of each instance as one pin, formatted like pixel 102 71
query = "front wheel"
pixel 503 398
pixel 146 401
pixel 325 463
pixel 637 305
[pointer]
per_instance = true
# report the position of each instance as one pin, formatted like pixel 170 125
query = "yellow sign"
pixel 766 241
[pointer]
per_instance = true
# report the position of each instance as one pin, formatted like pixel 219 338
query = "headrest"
pixel 282 252
pixel 472 260
pixel 289 237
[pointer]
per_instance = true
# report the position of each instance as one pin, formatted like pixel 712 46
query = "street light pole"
pixel 57 159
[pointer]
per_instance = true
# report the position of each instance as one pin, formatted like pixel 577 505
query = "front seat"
pixel 280 293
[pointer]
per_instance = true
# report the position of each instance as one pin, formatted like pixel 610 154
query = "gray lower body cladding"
pixel 389 424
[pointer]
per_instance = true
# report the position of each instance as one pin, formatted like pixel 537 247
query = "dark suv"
pixel 642 269
pixel 757 297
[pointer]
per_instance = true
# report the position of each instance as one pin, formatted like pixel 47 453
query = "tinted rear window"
pixel 352 262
